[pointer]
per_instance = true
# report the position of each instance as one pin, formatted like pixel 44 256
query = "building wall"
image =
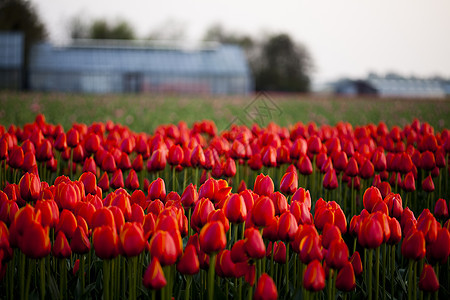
pixel 11 60
pixel 97 70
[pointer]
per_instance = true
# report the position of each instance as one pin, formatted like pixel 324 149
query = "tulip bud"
pixel 132 239
pixel 314 277
pixel 413 246
pixel 80 243
pixel 162 246
pixel 254 244
pixel 212 237
pixel 356 263
pixel 154 276
pixel 428 281
pixel 106 242
pixel 235 209
pixel 29 187
pixel 289 183
pixel 61 248
pixel 265 289
pixel 345 280
pixel 263 212
pixel 188 263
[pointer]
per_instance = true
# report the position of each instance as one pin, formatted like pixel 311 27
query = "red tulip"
pixel 89 182
pixel 35 242
pixel 176 155
pixel 439 250
pixel 103 182
pixel 263 212
pixel 371 196
pixel 117 179
pixel 370 234
pixel 337 255
pixel 305 166
pixel 427 161
pixel 235 209
pixel 73 137
pixel 279 202
pixel 310 248
pixel 263 185
pixel 61 248
pixel 356 263
pixel 413 246
pixel 16 157
pixel 287 227
pixel 254 244
pixel 269 156
pixel 80 243
pixel 132 180
pixel 279 252
pixel 162 246
pixel 396 232
pixel 330 180
pixel 302 195
pixel 106 242
pixel 229 168
pixel 188 263
pixel 132 239
pixel 314 277
pixel 67 223
pixel 266 288
pixel 427 184
pixel 29 187
pixel 428 281
pixel 314 144
pixel 352 168
pixel 289 183
pixel 345 280
pixel 154 276
pixel 212 237
pixel 441 209
pixel 108 163
pixel 157 190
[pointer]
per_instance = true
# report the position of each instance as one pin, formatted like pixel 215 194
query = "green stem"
pixel 188 287
pixel 31 264
pixel 384 271
pixel 410 279
pixel 250 293
pixel 212 264
pixel 174 179
pixel 392 269
pixel 42 277
pixel 377 271
pixel 22 275
pixel 369 280
pixel 287 269
pixel 106 278
pixel 330 284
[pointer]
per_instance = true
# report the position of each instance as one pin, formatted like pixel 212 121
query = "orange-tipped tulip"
pixel 314 277
pixel 154 276
pixel 212 237
pixel 266 288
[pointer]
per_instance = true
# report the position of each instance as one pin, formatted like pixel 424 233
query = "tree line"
pixel 278 63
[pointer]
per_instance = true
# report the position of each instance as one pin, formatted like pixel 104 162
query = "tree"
pixel 277 63
pixel 100 29
pixel 21 16
pixel 282 66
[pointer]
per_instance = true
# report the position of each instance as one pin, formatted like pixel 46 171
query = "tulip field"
pixel 294 211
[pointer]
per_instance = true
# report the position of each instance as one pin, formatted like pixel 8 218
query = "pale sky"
pixel 345 37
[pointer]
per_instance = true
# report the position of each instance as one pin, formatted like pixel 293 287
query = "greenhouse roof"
pixel 114 56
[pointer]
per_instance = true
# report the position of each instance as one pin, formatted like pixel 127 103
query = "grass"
pixel 145 112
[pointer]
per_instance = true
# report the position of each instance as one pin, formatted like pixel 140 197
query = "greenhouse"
pixel 138 66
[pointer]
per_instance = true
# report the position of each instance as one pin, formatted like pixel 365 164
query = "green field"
pixel 144 112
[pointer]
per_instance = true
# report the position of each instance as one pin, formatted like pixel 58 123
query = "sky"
pixel 346 38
